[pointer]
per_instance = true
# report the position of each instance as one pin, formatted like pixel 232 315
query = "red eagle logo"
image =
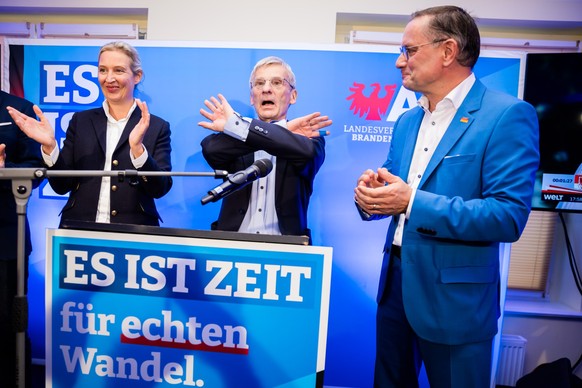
pixel 373 105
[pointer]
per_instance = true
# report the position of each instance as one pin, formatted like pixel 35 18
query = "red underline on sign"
pixel 187 345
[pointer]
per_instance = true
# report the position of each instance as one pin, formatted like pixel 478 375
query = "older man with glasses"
pixel 277 203
pixel 458 181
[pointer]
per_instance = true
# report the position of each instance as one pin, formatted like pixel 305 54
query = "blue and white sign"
pixel 128 310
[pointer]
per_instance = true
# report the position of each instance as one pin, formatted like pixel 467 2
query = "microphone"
pixel 259 169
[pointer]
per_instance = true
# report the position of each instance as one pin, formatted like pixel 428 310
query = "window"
pixel 530 255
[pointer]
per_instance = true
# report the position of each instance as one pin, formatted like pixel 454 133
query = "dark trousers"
pixel 400 352
pixel 8 284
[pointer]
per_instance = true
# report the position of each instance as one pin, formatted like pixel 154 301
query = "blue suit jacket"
pixel 21 151
pixel 298 161
pixel 132 199
pixel 476 192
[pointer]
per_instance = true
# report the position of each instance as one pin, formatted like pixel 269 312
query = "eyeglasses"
pixel 276 83
pixel 409 51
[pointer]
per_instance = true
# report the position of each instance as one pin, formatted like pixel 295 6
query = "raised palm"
pixel 39 130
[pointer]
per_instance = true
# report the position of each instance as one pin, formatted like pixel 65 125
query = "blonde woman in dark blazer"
pixel 120 135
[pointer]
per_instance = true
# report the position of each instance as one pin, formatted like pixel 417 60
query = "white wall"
pixel 307 20
pixel 552 327
pixel 548 338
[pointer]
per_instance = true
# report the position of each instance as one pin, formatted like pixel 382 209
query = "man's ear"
pixel 450 51
pixel 293 98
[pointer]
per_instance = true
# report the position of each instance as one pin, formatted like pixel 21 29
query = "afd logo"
pixel 376 100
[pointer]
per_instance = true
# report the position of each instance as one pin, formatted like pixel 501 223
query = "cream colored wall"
pixel 307 20
pixel 548 339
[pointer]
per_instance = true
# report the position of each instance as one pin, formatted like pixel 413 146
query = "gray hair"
pixel 274 61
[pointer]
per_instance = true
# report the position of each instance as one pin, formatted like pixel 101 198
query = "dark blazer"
pixel 21 151
pixel 298 161
pixel 132 199
pixel 476 192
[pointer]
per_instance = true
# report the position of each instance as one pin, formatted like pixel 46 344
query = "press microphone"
pixel 259 169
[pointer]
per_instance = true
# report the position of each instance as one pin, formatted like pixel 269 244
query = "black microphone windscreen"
pixel 265 166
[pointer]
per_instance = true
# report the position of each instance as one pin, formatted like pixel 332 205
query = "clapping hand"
pixel 138 132
pixel 2 155
pixel 41 131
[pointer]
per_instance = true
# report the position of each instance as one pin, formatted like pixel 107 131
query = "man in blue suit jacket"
pixel 458 181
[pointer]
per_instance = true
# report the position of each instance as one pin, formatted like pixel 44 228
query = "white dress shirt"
pixel 432 129
pixel 261 216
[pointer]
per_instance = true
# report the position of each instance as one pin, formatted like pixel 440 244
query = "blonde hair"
pixel 127 49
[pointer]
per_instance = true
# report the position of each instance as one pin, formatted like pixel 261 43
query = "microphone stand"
pixel 22 188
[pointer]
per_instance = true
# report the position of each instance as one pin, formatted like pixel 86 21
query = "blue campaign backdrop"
pixel 357 86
